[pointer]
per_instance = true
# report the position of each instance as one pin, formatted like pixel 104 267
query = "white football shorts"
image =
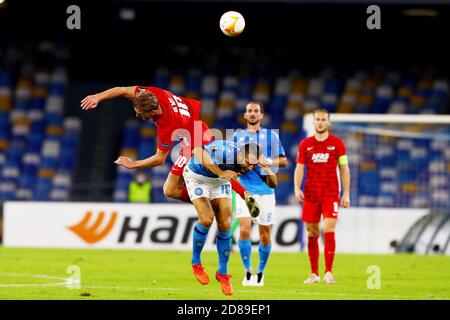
pixel 199 186
pixel 266 203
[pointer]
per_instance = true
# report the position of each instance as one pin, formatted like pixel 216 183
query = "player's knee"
pixel 206 221
pixel 265 239
pixel 224 225
pixel 244 233
pixel 264 235
pixel 313 233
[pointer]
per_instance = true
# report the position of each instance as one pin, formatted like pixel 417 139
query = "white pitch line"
pixel 32 284
pixel 41 276
pixel 38 276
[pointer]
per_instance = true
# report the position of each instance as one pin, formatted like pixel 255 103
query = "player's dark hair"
pixel 250 148
pixel 145 102
pixel 261 106
pixel 321 110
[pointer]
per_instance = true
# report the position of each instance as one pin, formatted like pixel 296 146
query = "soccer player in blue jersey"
pixel 207 177
pixel 273 155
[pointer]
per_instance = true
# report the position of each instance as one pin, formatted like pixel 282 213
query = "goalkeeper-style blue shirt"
pixel 224 155
pixel 271 148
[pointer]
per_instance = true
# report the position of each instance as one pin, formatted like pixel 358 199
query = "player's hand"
pixel 299 196
pixel 263 162
pixel 229 175
pixel 90 102
pixel 126 162
pixel 345 202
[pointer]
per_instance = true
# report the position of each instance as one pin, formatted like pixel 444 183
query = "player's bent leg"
pixel 175 188
pixel 222 210
pixel 330 249
pixel 200 233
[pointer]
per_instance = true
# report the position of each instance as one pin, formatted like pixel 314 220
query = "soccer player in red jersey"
pixel 175 118
pixel 321 154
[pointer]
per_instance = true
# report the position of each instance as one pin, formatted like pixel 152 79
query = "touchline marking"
pixel 33 284
pixel 42 276
pixel 39 276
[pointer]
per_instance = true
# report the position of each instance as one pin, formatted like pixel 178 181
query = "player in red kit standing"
pixel 321 154
pixel 176 118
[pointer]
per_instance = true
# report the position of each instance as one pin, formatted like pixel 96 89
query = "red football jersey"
pixel 321 159
pixel 178 113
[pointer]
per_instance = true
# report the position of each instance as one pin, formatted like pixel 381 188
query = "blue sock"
pixel 200 234
pixel 223 249
pixel 245 248
pixel 264 252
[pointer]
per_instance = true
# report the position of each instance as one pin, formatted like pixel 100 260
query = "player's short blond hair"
pixel 321 110
pixel 145 102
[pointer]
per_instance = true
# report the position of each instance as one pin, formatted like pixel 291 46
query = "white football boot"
pixel 313 278
pixel 328 278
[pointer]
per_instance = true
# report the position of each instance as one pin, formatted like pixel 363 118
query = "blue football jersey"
pixel 270 147
pixel 224 155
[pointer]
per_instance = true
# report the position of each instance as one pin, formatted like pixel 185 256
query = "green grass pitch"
pixel 156 275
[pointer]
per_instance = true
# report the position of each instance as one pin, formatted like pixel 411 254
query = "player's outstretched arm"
pixel 156 160
pixel 345 177
pixel 298 178
pixel 91 101
pixel 204 158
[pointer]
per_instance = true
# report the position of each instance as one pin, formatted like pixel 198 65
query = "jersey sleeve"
pixel 341 148
pixel 342 153
pixel 301 153
pixel 164 139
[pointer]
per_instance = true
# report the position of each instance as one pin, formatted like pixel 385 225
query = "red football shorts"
pixel 186 152
pixel 312 211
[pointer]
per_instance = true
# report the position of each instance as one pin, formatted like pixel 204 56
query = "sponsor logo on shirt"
pixel 320 157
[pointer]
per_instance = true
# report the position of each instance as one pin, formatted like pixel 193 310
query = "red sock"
pixel 237 186
pixel 313 252
pixel 330 248
pixel 184 195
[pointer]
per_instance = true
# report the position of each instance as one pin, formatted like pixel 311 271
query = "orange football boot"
pixel 225 283
pixel 200 273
